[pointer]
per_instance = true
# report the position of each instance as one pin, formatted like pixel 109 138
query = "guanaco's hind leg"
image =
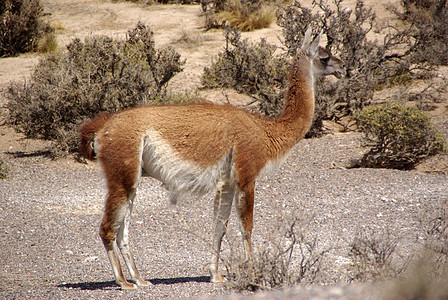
pixel 222 208
pixel 245 210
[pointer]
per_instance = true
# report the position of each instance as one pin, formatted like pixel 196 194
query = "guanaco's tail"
pixel 87 134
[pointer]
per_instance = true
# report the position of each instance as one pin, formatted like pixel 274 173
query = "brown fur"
pixel 87 133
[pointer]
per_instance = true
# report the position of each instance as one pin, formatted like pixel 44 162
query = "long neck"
pixel 299 105
pixel 297 115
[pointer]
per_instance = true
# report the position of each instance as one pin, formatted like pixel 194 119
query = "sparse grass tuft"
pixel 190 39
pixel 4 169
pixel 48 44
pixel 57 26
pixel 242 14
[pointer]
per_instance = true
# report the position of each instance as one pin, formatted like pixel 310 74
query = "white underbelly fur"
pixel 160 161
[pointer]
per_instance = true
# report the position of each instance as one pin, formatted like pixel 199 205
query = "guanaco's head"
pixel 324 63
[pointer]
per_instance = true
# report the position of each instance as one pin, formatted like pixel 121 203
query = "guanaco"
pixel 199 148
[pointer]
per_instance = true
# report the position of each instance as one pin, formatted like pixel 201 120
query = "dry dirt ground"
pixel 49 246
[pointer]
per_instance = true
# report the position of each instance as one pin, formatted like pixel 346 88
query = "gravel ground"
pixel 51 212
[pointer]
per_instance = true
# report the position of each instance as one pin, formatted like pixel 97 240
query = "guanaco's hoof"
pixel 217 279
pixel 128 286
pixel 143 283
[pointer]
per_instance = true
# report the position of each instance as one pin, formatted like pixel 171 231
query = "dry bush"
pixel 398 136
pixel 436 237
pixel 259 70
pixel 429 29
pixel 427 276
pixel 21 26
pixel 245 15
pixel 372 254
pixel 418 283
pixel 150 2
pixel 289 256
pixel 251 68
pixel 99 74
pixel 4 169
pixel 369 64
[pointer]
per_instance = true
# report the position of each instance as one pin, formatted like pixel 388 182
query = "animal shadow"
pixel 106 285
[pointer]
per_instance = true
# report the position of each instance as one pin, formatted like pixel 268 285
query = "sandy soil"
pixel 51 209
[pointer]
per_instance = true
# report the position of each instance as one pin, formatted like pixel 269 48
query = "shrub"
pixel 4 169
pixel 436 236
pixel 251 68
pixel 399 136
pixel 429 29
pixel 285 259
pixel 22 26
pixel 372 255
pixel 260 70
pixel 427 276
pixel 419 283
pixel 246 15
pixel 369 64
pixel 99 74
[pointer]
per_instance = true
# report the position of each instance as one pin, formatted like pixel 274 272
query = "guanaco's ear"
pixel 307 38
pixel 314 47
pixel 311 46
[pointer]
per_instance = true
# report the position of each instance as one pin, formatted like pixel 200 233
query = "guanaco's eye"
pixel 324 60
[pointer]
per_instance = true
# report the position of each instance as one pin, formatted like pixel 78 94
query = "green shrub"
pixel 399 136
pixel 99 74
pixel 21 26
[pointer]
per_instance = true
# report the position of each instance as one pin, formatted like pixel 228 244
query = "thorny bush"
pixel 284 260
pixel 99 74
pixel 372 254
pixel 21 26
pixel 370 64
pixel 429 29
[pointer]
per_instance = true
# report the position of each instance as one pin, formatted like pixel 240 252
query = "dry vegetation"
pixel 245 15
pixel 22 28
pixel 258 69
pixel 99 74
